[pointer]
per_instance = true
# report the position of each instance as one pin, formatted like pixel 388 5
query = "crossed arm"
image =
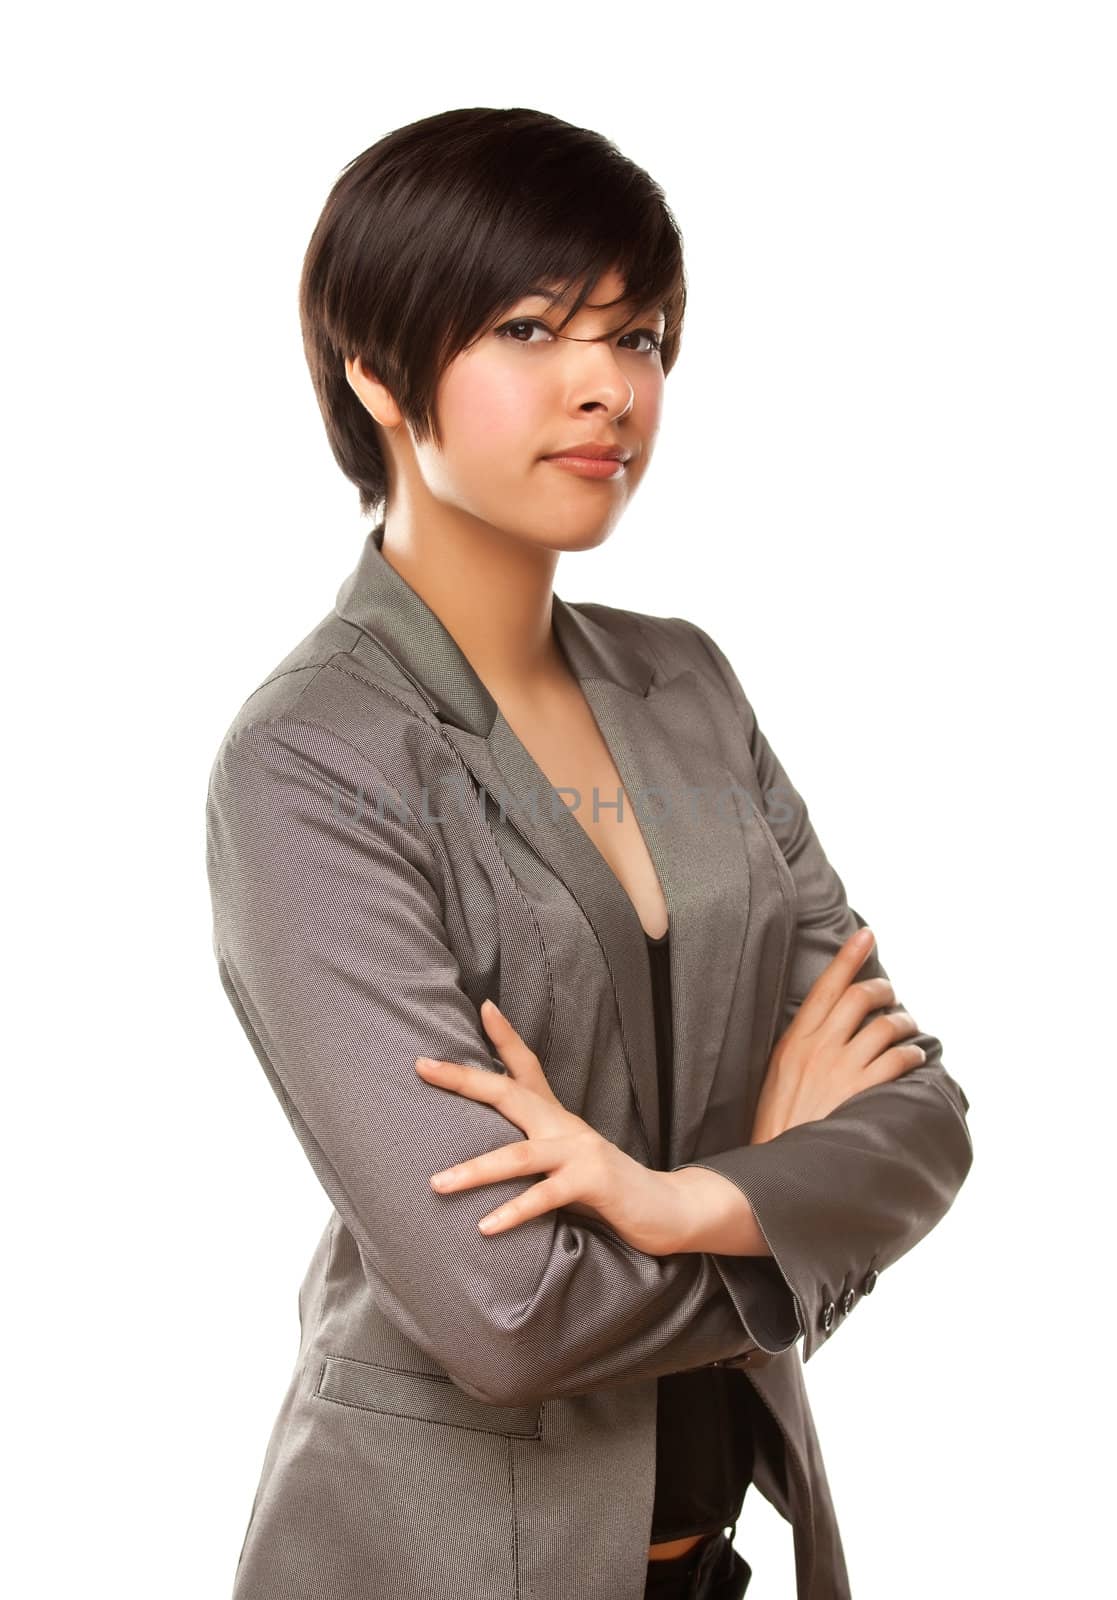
pixel 331 949
pixel 841 1198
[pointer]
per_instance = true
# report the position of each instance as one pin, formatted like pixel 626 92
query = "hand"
pixel 821 1060
pixel 587 1174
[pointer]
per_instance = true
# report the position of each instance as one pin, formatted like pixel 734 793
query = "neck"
pixel 491 592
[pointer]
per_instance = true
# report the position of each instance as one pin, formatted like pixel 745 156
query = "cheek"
pixel 647 399
pixel 490 414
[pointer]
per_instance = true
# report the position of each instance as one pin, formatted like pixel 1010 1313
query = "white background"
pixel 884 484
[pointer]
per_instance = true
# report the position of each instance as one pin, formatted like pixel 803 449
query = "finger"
pixel 894 1063
pixel 534 1202
pixel 476 1082
pixel 880 1035
pixel 518 1057
pixel 850 1010
pixel 517 1102
pixel 834 979
pixel 495 1166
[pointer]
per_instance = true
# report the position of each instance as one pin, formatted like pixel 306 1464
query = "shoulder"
pixel 676 644
pixel 334 709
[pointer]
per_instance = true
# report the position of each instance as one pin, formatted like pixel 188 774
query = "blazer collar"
pixel 379 601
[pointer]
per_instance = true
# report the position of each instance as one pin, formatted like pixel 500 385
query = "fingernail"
pixel 495 1007
pixel 863 939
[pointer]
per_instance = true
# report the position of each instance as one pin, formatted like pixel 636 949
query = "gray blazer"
pixel 473 1417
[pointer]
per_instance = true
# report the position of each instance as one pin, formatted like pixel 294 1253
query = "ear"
pixel 372 394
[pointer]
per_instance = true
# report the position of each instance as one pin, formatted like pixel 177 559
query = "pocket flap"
pixel 422 1396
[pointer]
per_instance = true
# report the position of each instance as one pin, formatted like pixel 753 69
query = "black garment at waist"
pixel 704 1440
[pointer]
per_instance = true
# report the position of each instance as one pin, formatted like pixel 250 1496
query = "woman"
pixel 548 1334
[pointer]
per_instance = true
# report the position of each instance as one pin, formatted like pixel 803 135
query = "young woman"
pixel 538 948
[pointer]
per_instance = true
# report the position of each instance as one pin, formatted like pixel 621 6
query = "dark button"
pixel 847 1303
pixel 828 1315
pixel 870 1282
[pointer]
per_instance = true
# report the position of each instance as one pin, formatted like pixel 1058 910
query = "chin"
pixel 570 532
pixel 594 537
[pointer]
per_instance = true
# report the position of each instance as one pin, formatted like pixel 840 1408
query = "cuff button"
pixel 870 1282
pixel 847 1303
pixel 828 1315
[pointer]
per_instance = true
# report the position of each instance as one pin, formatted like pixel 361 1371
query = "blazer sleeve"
pixel 841 1198
pixel 331 947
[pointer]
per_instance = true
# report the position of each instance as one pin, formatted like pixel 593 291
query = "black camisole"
pixel 704 1441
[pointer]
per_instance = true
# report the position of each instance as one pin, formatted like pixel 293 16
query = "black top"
pixel 704 1442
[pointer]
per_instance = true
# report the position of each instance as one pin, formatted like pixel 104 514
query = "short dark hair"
pixel 440 225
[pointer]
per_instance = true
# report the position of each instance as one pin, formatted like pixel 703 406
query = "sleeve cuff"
pixel 758 1286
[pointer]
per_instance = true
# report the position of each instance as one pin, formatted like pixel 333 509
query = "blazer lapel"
pixel 666 752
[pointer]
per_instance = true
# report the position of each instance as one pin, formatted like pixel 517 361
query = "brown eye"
pixel 647 334
pixel 506 330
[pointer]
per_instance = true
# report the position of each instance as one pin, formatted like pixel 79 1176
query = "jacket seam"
pixel 514 881
pixel 289 672
pixel 448 744
pixel 515 1514
pixel 413 825
pixel 379 688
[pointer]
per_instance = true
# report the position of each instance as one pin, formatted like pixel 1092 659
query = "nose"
pixel 597 378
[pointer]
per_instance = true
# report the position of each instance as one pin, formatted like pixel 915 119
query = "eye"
pixel 645 333
pixel 511 330
pixel 508 329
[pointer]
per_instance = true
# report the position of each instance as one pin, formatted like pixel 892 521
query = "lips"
pixel 603 468
pixel 591 452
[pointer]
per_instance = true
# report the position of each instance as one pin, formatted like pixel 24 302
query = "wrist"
pixel 715 1217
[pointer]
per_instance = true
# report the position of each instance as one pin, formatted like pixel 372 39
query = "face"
pixel 523 392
